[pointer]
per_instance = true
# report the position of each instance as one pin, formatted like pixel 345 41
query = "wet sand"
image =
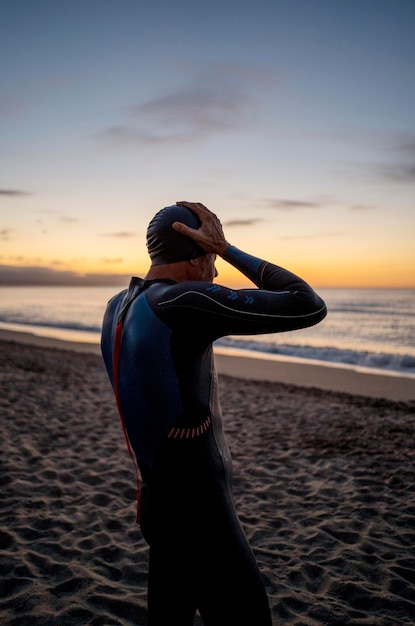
pixel 324 485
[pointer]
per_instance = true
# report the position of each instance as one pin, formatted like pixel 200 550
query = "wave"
pixel 72 325
pixel 403 363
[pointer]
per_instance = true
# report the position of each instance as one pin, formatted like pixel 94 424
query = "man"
pixel 157 345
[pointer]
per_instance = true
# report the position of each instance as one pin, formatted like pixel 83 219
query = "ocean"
pixel 365 328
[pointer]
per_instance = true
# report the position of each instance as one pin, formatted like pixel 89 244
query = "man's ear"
pixel 194 262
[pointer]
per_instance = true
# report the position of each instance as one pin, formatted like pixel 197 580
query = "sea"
pixel 365 328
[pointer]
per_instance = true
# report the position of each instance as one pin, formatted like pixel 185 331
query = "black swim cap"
pixel 164 244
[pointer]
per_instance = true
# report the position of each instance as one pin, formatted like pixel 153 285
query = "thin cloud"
pixel 111 261
pixel 363 207
pixel 247 222
pixel 14 259
pixel 5 234
pixel 396 172
pixel 124 234
pixel 407 146
pixel 14 193
pixel 394 159
pixel 290 205
pixel 217 101
pixel 68 220
pixel 398 164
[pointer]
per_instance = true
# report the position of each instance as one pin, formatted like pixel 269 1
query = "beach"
pixel 324 487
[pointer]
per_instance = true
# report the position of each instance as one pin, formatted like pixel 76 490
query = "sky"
pixel 293 120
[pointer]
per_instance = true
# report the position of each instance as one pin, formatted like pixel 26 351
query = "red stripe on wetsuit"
pixel 117 347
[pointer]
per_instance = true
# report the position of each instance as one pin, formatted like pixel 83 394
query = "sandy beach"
pixel 324 486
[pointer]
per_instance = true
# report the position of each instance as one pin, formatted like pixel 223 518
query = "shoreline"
pixel 248 365
pixel 335 377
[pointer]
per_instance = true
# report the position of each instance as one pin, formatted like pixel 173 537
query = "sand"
pixel 324 485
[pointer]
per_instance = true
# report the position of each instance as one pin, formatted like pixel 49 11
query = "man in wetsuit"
pixel 157 346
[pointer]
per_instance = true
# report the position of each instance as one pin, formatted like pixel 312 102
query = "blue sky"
pixel 293 120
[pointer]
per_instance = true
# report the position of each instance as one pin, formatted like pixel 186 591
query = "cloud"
pixel 68 219
pixel 363 207
pixel 393 160
pixel 219 100
pixel 407 146
pixel 124 234
pixel 14 193
pixel 247 222
pixel 399 163
pixel 5 234
pixel 290 205
pixel 396 172
pixel 38 276
pixel 111 261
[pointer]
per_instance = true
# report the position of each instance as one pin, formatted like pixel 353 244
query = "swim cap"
pixel 164 244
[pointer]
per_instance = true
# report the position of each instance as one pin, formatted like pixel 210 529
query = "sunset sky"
pixel 294 120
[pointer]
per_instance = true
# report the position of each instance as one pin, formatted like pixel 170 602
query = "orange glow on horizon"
pixel 319 274
pixel 334 276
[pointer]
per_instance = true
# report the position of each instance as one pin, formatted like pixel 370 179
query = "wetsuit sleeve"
pixel 266 275
pixel 282 301
pixel 272 277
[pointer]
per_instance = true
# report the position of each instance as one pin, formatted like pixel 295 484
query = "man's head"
pixel 164 244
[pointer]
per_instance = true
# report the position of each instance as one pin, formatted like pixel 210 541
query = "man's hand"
pixel 210 234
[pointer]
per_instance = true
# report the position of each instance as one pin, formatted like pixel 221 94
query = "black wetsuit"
pixel 167 391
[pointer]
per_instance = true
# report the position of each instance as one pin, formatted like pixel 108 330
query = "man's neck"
pixel 170 271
